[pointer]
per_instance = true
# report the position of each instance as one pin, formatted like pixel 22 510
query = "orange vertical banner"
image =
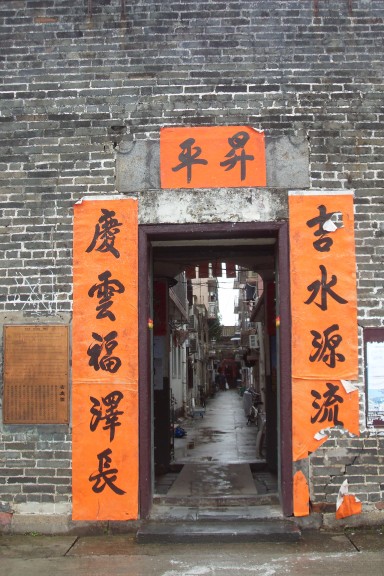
pixel 105 361
pixel 212 157
pixel 323 286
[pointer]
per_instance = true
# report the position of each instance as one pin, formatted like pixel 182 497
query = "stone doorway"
pixel 156 240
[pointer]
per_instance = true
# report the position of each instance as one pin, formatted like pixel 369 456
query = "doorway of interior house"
pixel 221 451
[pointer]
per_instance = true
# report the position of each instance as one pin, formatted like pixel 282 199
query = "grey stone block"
pixel 138 166
pixel 287 160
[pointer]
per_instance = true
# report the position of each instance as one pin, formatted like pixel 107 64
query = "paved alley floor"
pixel 221 435
pixel 317 553
pixel 217 457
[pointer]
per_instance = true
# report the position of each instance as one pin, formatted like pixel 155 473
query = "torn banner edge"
pixel 344 492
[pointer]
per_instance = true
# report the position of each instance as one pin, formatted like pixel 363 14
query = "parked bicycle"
pixel 261 445
pixel 251 404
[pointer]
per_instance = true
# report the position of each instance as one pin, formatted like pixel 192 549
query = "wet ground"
pixel 217 457
pixel 337 554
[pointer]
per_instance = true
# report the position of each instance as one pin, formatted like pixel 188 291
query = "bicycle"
pixel 261 446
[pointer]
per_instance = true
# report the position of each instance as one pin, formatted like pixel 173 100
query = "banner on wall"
pixel 212 157
pixel 323 286
pixel 105 361
pixel 324 324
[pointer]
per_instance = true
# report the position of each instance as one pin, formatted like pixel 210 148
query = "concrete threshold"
pixel 161 513
pixel 218 531
pixel 218 501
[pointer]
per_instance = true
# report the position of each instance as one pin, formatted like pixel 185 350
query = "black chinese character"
pixel 106 475
pixel 111 416
pixel 105 232
pixel 107 362
pixel 237 142
pixel 188 157
pixel 326 289
pixel 329 409
pixel 325 347
pixel 105 291
pixel 324 243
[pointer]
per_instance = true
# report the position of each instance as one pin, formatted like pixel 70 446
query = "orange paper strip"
pixel 300 495
pixel 323 287
pixel 212 157
pixel 105 361
pixel 349 507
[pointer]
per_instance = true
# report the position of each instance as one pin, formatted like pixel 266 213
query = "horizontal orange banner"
pixel 212 157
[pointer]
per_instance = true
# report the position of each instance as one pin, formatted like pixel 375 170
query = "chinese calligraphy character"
pixel 326 347
pixel 111 416
pixel 105 232
pixel 325 288
pixel 323 243
pixel 106 476
pixel 188 157
pixel 107 362
pixel 62 394
pixel 237 142
pixel 329 409
pixel 105 291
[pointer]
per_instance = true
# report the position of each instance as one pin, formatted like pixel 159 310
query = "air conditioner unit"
pixel 192 323
pixel 254 341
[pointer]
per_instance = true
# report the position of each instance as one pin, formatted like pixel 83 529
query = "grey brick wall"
pixel 67 78
pixel 358 460
pixel 35 469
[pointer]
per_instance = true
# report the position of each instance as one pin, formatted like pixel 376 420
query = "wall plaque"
pixel 35 375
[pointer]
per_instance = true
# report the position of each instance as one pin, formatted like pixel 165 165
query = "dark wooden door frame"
pixel 174 232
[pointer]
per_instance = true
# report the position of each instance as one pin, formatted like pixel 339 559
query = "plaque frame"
pixel 36 374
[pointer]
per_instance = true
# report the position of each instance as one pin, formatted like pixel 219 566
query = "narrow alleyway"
pixel 216 462
pixel 222 435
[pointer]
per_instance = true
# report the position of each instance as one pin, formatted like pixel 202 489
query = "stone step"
pixel 217 501
pixel 218 531
pixel 166 513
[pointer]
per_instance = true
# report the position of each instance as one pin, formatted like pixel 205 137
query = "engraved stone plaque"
pixel 35 374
